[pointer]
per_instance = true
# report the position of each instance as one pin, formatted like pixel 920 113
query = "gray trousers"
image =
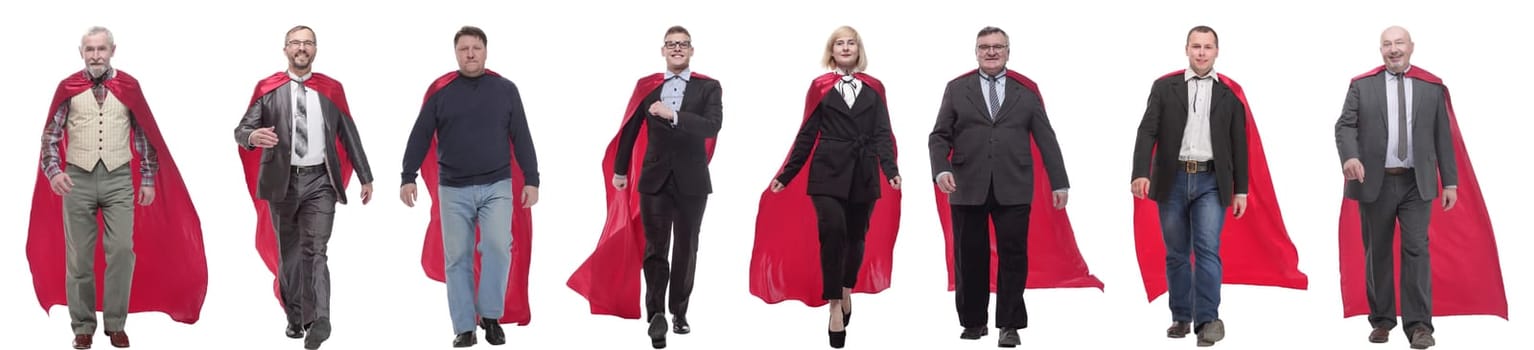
pixel 303 219
pixel 1398 200
pixel 109 193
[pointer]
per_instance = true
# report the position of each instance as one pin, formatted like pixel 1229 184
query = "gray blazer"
pixel 1363 133
pixel 993 155
pixel 274 109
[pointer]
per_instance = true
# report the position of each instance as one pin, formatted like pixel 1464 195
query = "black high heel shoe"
pixel 838 339
pixel 847 319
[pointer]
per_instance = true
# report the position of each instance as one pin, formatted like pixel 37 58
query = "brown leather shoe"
pixel 119 338
pixel 1179 329
pixel 1421 338
pixel 1379 335
pixel 82 341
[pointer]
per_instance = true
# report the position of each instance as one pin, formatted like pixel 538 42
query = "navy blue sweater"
pixel 476 122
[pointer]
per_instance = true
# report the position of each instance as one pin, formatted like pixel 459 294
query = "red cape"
pixel 785 258
pixel 1467 277
pixel 1050 237
pixel 1254 250
pixel 609 278
pixel 517 310
pixel 171 271
pixel 250 160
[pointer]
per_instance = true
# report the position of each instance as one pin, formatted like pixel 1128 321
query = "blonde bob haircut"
pixel 829 58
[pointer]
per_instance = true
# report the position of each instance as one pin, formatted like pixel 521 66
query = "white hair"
pixel 99 30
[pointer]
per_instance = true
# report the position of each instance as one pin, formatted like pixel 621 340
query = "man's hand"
pixel 620 182
pixel 660 109
pixel 145 195
pixel 1450 196
pixel 776 186
pixel 367 193
pixel 263 137
pixel 1140 187
pixel 1353 170
pixel 407 194
pixel 61 183
pixel 1238 205
pixel 529 196
pixel 945 183
pixel 895 182
pixel 1060 198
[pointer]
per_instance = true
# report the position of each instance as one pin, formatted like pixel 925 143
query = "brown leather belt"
pixel 1194 167
pixel 1397 171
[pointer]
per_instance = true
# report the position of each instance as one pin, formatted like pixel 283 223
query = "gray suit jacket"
pixel 993 156
pixel 275 109
pixel 1363 133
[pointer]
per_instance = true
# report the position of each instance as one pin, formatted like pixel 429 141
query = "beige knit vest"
pixel 98 132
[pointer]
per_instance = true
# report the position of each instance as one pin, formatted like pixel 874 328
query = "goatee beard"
pixel 96 71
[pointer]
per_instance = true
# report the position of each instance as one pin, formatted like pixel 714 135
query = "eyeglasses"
pixel 984 48
pixel 679 44
pixel 293 43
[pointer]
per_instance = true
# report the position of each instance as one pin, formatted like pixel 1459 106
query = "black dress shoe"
pixel 658 331
pixel 1422 338
pixel 847 319
pixel 464 340
pixel 493 332
pixel 973 333
pixel 1009 338
pixel 295 331
pixel 318 334
pixel 838 339
pixel 679 325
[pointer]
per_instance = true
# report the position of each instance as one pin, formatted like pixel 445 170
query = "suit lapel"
pixel 977 98
pixel 1376 88
pixel 863 102
pixel 282 99
pixel 835 99
pixel 1180 93
pixel 1418 98
pixel 689 95
pixel 1014 97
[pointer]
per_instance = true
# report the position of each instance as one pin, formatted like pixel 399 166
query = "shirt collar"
pixel 300 79
pixel 1000 77
pixel 686 75
pixel 1188 75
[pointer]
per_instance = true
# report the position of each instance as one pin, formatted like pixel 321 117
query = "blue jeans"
pixel 1191 217
pixel 489 205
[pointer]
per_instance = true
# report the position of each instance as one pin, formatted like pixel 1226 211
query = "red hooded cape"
pixel 250 160
pixel 1254 250
pixel 1467 277
pixel 609 278
pixel 785 260
pixel 1050 237
pixel 171 271
pixel 517 310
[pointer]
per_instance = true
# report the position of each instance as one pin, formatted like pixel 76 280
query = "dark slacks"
pixel 303 220
pixel 661 212
pixel 843 227
pixel 972 262
pixel 1398 201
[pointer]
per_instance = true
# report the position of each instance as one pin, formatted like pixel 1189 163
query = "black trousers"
pixel 661 212
pixel 303 220
pixel 972 262
pixel 843 227
pixel 1398 201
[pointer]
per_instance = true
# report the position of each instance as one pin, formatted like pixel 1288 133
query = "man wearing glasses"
pixel 303 127
pixel 671 121
pixel 982 161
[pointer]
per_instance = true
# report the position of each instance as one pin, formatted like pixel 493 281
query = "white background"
pixel 576 62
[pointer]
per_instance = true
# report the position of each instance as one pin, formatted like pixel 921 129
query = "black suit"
pixel 992 165
pixel 854 144
pixel 303 199
pixel 674 186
